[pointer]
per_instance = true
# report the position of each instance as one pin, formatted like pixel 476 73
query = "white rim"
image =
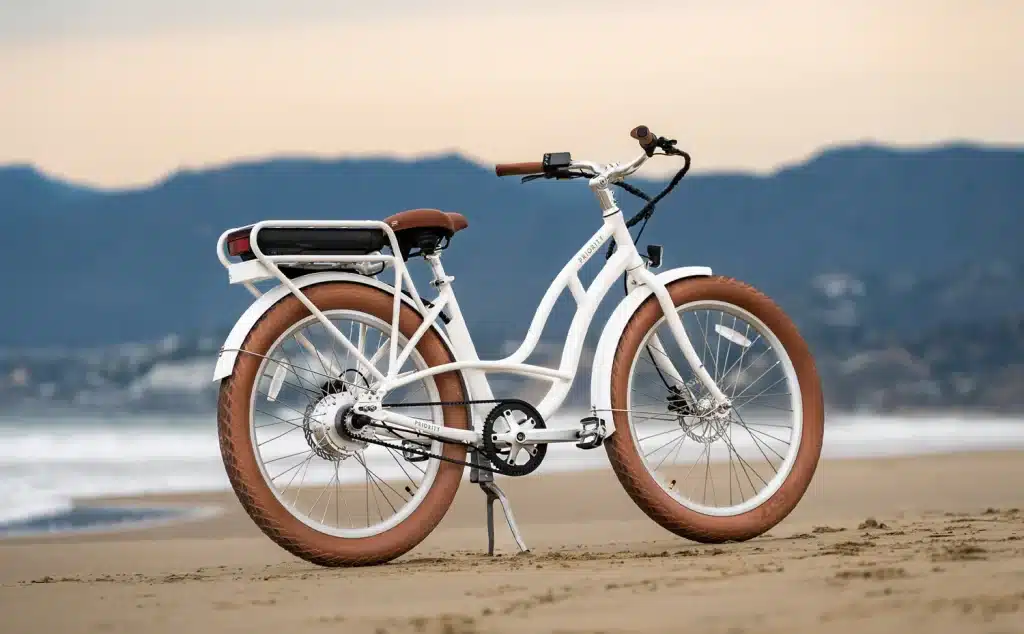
pixel 436 447
pixel 782 473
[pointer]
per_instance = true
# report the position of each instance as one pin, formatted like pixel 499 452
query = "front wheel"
pixel 704 475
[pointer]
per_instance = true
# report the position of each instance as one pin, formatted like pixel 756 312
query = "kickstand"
pixel 486 481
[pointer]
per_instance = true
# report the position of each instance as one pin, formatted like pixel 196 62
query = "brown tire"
pixel 240 460
pixel 623 451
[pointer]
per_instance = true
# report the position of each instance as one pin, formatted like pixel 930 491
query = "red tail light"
pixel 238 243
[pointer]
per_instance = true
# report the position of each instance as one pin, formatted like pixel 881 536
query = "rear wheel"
pixel 322 494
pixel 705 476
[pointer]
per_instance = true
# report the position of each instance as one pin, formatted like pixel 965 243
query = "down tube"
pixel 585 312
pixel 555 290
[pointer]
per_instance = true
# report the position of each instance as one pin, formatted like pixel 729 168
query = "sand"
pixel 922 544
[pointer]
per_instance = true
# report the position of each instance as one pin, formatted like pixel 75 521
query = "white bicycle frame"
pixel 625 260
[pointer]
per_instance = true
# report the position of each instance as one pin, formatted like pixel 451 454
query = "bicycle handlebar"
pixel 647 139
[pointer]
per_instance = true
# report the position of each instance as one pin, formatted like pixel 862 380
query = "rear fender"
pixel 229 351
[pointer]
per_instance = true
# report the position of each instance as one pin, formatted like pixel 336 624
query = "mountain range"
pixel 865 246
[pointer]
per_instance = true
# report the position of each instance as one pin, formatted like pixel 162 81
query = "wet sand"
pixel 929 543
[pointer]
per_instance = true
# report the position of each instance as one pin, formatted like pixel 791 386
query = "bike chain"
pixel 424 452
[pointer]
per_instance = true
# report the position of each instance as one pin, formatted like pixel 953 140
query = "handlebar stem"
pixel 611 172
pixel 603 175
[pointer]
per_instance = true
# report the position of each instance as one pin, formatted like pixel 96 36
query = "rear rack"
pixel 312 252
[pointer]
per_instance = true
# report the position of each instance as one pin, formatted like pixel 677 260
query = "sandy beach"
pixel 926 543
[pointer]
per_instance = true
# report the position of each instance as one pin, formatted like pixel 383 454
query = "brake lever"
pixel 560 174
pixel 668 146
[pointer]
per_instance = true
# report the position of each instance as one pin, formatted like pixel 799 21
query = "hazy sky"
pixel 123 91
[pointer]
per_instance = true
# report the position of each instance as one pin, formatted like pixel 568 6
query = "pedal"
pixel 592 433
pixel 411 451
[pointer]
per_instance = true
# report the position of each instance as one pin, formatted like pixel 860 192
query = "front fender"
pixel 601 372
pixel 229 351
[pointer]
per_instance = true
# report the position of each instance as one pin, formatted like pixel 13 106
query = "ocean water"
pixel 45 463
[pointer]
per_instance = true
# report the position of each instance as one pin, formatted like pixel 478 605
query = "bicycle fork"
pixel 642 276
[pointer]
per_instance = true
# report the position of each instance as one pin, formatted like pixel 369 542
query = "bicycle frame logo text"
pixel 589 250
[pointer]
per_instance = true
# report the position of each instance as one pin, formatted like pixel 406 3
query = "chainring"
pixel 499 456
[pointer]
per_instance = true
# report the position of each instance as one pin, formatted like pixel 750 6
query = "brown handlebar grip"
pixel 519 169
pixel 644 135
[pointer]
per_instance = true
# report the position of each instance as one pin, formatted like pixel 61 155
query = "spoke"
pixel 728 349
pixel 281 421
pixel 653 398
pixel 769 425
pixel 303 414
pixel 334 352
pixel 763 392
pixel 317 502
pixel 707 474
pixel 292 367
pixel 391 452
pixel 298 491
pixel 337 495
pixel 288 456
pixel 758 358
pixel 750 428
pixel 361 348
pixel 704 332
pixel 297 465
pixel 682 439
pixel 362 460
pixel 306 366
pixel 663 446
pixel 660 433
pixel 739 361
pixel 320 357
pixel 729 452
pixel 746 465
pixel 407 396
pixel 732 470
pixel 758 444
pixel 278 436
pixel 368 499
pixel 706 448
pixel 770 368
pixel 718 346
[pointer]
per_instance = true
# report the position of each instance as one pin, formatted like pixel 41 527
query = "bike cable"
pixel 668 149
pixel 642 216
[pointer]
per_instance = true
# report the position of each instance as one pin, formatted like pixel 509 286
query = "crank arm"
pixel 539 436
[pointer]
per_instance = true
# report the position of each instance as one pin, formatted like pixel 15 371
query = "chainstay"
pixel 430 454
pixel 425 452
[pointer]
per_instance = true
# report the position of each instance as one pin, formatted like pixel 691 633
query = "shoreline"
pixel 881 544
pixel 170 508
pixel 187 506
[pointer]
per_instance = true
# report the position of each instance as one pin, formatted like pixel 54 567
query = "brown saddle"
pixel 425 229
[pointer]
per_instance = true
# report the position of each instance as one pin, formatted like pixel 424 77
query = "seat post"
pixel 440 277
